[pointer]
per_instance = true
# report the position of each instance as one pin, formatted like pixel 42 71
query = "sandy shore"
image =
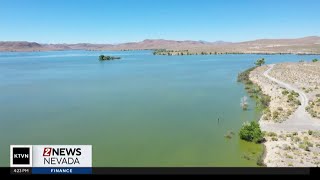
pixel 306 78
pixel 293 88
pixel 297 149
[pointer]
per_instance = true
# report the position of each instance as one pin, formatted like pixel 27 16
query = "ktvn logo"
pixel 20 156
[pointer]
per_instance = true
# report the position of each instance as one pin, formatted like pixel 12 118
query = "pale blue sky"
pixel 115 21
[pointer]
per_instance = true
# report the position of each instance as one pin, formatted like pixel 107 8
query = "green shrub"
pixel 244 76
pixel 267 110
pixel 264 100
pixel 308 108
pixel 289 156
pixel 260 62
pixel 306 145
pixel 103 57
pixel 290 98
pixel 313 114
pixel 251 132
pixel 295 94
pixel 297 102
pixel 296 139
pixel 316 134
pixel 286 147
pixel 275 114
pixel 254 90
pixel 289 135
pixel 310 132
pixel 280 109
pixel 283 137
pixel 272 134
pixel 266 117
pixel 285 92
pixel 274 139
pixel 303 146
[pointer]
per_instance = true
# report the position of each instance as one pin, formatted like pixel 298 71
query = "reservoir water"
pixel 140 111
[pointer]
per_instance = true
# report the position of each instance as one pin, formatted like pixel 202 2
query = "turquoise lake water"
pixel 142 110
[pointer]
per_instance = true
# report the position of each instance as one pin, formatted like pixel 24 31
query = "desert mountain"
pixel 301 45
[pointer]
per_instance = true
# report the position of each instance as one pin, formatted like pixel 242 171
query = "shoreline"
pixel 298 147
pixel 262 157
pixel 244 78
pixel 168 53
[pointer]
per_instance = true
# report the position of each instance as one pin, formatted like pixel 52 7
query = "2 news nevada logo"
pixel 20 156
pixel 62 156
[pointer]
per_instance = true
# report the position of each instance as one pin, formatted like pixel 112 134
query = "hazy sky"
pixel 115 21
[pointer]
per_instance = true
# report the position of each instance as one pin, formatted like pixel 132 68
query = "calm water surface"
pixel 143 110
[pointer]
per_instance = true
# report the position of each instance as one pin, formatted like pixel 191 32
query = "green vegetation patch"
pixel 260 62
pixel 107 58
pixel 250 131
pixel 254 90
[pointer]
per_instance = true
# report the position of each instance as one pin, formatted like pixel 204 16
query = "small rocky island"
pixel 107 58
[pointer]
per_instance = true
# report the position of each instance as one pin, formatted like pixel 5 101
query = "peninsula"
pixel 291 121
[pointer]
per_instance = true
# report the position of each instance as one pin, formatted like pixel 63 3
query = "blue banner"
pixel 62 170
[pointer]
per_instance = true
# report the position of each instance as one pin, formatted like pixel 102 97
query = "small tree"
pixel 244 103
pixel 260 62
pixel 251 132
pixel 101 57
pixel 315 60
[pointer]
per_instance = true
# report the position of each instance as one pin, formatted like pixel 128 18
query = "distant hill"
pixel 301 45
pixel 19 45
pixel 307 45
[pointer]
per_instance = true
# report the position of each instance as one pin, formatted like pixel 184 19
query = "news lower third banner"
pixel 51 159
